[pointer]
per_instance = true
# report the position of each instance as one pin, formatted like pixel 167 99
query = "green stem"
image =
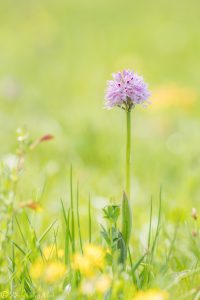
pixel 72 211
pixel 128 152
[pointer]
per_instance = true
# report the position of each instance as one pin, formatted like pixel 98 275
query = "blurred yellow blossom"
pixel 54 271
pixel 96 254
pixel 92 260
pixel 173 95
pixel 152 294
pixel 50 272
pixel 37 269
pixel 103 283
pixel 83 264
pixel 99 284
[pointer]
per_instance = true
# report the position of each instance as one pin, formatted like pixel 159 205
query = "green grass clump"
pixel 81 258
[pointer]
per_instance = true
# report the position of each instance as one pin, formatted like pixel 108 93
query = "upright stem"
pixel 128 152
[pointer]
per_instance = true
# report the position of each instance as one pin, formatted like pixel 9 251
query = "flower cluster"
pixel 99 285
pixel 49 272
pixel 50 269
pixel 126 90
pixel 91 265
pixel 152 294
pixel 92 260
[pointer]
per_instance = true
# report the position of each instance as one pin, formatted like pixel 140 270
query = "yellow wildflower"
pixel 99 285
pixel 174 95
pixel 89 262
pixel 96 255
pixel 152 294
pixel 83 264
pixel 48 252
pixel 50 272
pixel 54 272
pixel 60 253
pixel 37 269
pixel 102 284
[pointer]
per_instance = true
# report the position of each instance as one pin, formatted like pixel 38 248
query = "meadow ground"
pixel 55 59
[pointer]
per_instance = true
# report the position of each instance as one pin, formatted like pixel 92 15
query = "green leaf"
pixel 111 212
pixel 126 219
pixel 122 248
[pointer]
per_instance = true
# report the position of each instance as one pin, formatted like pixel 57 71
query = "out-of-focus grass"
pixel 55 58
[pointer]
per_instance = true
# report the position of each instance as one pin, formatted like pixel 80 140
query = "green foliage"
pixel 126 219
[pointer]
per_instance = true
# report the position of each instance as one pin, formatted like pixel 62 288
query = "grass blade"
pixel 72 211
pixel 67 234
pixel 67 240
pixel 46 231
pixel 55 233
pixel 22 235
pixel 78 218
pixel 89 220
pixel 19 248
pixel 150 225
pixel 126 219
pixel 136 265
pixel 158 226
pixel 13 263
pixel 146 271
pixel 65 218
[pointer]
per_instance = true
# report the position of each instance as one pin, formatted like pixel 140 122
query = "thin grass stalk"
pixel 171 248
pixel 36 240
pixel 67 249
pixel 72 211
pixel 67 235
pixel 131 262
pixel 89 220
pixel 46 232
pixel 65 218
pixel 150 224
pixel 148 257
pixel 20 230
pixel 128 152
pixel 158 225
pixel 156 234
pixel 55 241
pixel 13 264
pixel 78 218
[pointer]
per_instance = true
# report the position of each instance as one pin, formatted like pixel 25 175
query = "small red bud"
pixel 46 137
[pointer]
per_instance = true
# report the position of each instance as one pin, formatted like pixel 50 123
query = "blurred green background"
pixel 55 58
